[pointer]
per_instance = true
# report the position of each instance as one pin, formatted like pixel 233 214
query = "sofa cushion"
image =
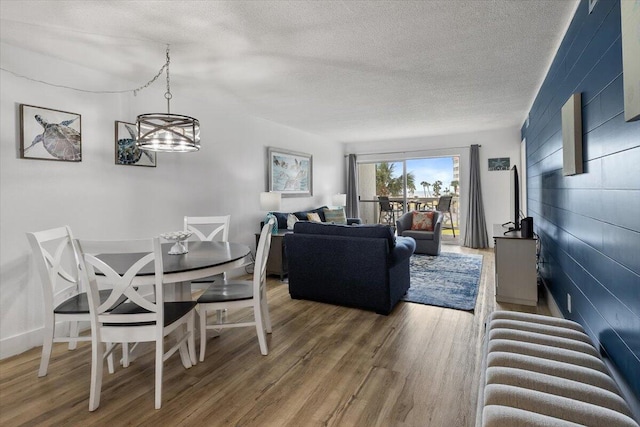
pixel 320 212
pixel 422 221
pixel 281 218
pixel 335 216
pixel 291 221
pixel 419 235
pixel 302 215
pixel 313 217
pixel 362 231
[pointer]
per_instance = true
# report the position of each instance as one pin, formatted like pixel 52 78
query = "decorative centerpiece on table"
pixel 178 237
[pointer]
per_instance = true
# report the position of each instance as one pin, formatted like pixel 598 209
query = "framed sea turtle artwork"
pixel 47 134
pixel 126 150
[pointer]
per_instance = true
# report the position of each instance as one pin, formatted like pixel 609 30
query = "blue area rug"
pixel 449 280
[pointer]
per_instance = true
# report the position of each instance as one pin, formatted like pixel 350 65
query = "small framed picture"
pixel 500 164
pixel 47 134
pixel 290 173
pixel 126 150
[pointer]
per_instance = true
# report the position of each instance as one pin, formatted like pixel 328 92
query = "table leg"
pixel 180 291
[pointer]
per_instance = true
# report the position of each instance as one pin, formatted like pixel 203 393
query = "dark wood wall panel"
pixel 589 224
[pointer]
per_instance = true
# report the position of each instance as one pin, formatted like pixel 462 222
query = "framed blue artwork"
pixel 290 172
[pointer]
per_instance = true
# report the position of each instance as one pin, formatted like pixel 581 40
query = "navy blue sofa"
pixel 281 217
pixel 363 266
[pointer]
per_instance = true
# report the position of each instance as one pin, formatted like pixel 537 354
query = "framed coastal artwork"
pixel 126 150
pixel 47 134
pixel 290 172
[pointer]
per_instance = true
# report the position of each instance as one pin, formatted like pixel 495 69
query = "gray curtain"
pixel 476 227
pixel 353 208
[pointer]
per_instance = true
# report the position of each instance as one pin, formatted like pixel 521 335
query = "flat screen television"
pixel 514 224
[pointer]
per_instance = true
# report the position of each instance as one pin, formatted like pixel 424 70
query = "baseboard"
pixel 20 343
pixel 27 340
pixel 551 302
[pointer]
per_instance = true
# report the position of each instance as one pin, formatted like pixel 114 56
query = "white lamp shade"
pixel 270 201
pixel 339 199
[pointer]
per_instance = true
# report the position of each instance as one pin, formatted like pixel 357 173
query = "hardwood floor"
pixel 327 366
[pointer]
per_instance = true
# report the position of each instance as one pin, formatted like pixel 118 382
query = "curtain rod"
pixel 411 151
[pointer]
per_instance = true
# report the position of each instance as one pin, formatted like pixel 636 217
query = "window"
pixel 411 184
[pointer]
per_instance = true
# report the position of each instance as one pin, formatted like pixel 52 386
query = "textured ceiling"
pixel 348 70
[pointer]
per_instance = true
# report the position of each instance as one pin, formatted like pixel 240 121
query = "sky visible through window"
pixel 431 170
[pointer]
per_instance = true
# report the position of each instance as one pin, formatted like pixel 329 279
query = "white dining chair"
pixel 208 229
pixel 232 294
pixel 65 303
pixel 215 227
pixel 138 319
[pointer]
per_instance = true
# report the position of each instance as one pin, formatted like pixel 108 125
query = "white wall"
pixel 494 143
pixel 99 199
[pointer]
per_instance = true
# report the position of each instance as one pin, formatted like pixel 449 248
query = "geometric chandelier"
pixel 167 132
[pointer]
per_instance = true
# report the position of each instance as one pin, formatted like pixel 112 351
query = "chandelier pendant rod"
pixel 168 93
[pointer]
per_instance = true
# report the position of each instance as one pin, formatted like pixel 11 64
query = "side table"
pixel 277 261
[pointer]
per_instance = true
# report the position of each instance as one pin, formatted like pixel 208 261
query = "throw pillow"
pixel 281 218
pixel 291 221
pixel 313 217
pixel 335 216
pixel 422 221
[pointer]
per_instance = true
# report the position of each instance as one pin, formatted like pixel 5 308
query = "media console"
pixel 515 259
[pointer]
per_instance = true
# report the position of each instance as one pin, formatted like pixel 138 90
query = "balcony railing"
pixel 370 208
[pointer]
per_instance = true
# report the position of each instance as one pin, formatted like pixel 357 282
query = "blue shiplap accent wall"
pixel 589 224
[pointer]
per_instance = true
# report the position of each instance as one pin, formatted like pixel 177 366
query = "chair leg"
pixel 265 311
pixel 159 365
pixel 452 227
pixel 110 348
pixel 97 362
pixel 191 341
pixel 203 332
pixel 47 345
pixel 73 333
pixel 183 348
pixel 125 355
pixel 262 336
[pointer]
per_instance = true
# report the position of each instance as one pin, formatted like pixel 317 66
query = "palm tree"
pixel 387 184
pixel 411 182
pixel 455 185
pixel 384 176
pixel 425 185
pixel 436 188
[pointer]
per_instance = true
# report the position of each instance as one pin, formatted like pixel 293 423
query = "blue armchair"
pixel 427 242
pixel 355 266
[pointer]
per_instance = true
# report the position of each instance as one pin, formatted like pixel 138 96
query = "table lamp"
pixel 270 202
pixel 339 200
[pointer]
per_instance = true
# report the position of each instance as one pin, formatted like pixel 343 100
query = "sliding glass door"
pixel 411 184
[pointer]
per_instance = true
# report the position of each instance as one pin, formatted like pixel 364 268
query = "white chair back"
pixel 51 248
pixel 262 255
pixel 97 265
pixel 200 225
